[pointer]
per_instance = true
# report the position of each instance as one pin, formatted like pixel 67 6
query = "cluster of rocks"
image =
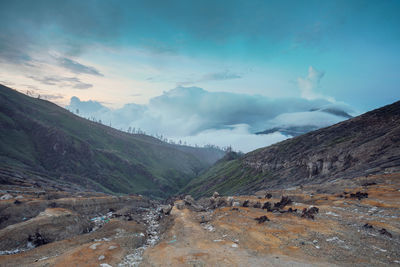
pixel 203 205
pixel 382 231
pixel 358 195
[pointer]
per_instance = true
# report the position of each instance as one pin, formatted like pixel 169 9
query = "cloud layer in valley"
pixel 201 117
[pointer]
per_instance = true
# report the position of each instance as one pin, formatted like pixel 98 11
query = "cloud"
pixel 77 67
pixel 71 82
pixel 309 84
pixel 220 76
pixel 195 115
pixel 213 76
pixel 237 136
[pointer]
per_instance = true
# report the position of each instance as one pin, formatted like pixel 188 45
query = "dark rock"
pixel 246 203
pixel 268 196
pixel 267 206
pixel 17 202
pixel 383 231
pixel 284 201
pixel 292 210
pixel 368 184
pixel 309 213
pixel 368 226
pixel 262 219
pixel 359 195
pixel 257 205
pixel 37 239
pixel 166 209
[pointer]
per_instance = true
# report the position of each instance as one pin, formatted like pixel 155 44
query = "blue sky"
pixel 120 52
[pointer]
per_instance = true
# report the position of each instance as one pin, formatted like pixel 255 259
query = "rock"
pixel 189 200
pixel 267 206
pixel 246 203
pixel 368 226
pixel 257 205
pixel 216 194
pixel 309 213
pixel 105 265
pixel 369 183
pixel 166 209
pixel 383 231
pixel 101 257
pixel 229 200
pixel 112 247
pixel 6 197
pixel 268 196
pixel 221 202
pixel 359 195
pixel 262 219
pixel 203 217
pixel 235 204
pixel 291 210
pixel 19 197
pixel 180 205
pixel 283 202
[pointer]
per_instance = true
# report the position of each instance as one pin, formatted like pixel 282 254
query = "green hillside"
pixel 228 176
pixel 38 135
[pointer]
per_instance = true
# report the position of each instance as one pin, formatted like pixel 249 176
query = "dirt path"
pixel 189 243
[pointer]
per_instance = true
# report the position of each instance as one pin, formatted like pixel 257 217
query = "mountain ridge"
pixel 363 145
pixel 41 136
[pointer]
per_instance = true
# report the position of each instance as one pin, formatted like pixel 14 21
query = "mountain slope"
pixel 38 135
pixel 363 145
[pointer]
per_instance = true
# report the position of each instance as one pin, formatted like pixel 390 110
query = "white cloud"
pixel 198 116
pixel 237 136
pixel 309 84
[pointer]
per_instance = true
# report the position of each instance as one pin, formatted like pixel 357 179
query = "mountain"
pixel 39 136
pixel 302 129
pixel 291 130
pixel 363 145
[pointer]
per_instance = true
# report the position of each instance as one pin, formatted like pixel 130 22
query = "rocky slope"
pixel 40 137
pixel 367 144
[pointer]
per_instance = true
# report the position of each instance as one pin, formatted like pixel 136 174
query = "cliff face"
pixel 364 145
pixel 367 144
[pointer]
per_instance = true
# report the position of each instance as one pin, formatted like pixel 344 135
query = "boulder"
pixel 166 209
pixel 216 194
pixel 189 200
pixel 229 201
pixel 180 205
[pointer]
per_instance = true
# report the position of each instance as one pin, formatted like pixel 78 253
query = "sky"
pixel 199 70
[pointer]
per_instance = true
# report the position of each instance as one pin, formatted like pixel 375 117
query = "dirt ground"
pixel 337 235
pixel 348 230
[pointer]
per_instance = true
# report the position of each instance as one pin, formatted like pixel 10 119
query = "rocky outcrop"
pixel 11 213
pixel 49 226
pixel 364 145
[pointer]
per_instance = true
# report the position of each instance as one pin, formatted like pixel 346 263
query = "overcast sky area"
pixel 205 71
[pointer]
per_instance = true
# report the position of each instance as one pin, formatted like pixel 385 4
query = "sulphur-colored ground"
pixel 335 237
